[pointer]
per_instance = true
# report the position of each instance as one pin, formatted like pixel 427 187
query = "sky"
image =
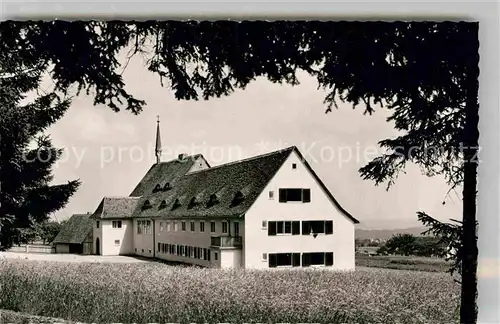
pixel 110 152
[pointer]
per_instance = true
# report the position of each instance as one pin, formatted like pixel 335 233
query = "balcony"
pixel 226 241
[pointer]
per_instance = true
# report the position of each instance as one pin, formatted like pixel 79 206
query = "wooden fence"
pixel 33 248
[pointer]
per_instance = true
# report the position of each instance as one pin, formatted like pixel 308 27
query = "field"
pixel 403 263
pixel 152 293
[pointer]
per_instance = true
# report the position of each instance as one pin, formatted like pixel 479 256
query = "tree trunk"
pixel 468 308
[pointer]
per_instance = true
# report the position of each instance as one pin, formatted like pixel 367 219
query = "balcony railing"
pixel 226 241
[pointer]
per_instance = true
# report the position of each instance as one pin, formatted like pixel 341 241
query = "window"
pixel 175 227
pixel 271 194
pixel 116 224
pixel 264 224
pixel 295 194
pixel 139 227
pixel 168 227
pixel 294 166
pixel 150 251
pixel 202 226
pixel 215 256
pixel 117 242
pixel 196 253
pixel 161 226
pixel 284 228
pixel 200 253
pixel 208 254
pixel 236 229
pixel 183 226
pixel 317 258
pixel 264 256
pixel 97 224
pixel 192 227
pixel 143 227
pixel 159 247
pixel 212 227
pixel 284 260
pixel 224 227
pixel 205 254
pixel 317 227
pixel 135 249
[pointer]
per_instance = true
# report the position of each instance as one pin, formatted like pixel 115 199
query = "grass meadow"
pixel 403 263
pixel 156 293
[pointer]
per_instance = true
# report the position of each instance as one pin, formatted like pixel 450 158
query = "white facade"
pixel 257 241
pixel 255 246
pixel 113 237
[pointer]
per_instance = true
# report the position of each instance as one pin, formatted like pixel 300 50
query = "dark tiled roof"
pixel 162 173
pixel 233 186
pixel 75 231
pixel 249 176
pixel 116 207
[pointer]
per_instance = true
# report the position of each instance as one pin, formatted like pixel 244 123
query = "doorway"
pixel 97 247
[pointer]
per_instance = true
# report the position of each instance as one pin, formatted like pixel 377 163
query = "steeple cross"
pixel 157 118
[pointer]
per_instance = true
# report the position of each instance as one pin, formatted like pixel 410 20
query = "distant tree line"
pixel 44 232
pixel 408 244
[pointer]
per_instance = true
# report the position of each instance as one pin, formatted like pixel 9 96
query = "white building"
pixel 267 211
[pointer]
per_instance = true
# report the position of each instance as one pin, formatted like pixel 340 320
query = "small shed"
pixel 75 235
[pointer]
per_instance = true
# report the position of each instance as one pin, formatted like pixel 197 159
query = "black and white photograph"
pixel 239 171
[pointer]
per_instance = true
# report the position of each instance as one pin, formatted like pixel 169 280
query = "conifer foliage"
pixel 27 194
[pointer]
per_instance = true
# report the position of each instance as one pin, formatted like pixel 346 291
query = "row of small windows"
pixel 173 227
pixel 186 251
pixel 294 227
pixel 299 259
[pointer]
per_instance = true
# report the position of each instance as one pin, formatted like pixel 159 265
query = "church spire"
pixel 158 140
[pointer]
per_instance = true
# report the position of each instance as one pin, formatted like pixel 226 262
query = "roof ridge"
pixel 243 160
pixel 193 156
pixel 122 197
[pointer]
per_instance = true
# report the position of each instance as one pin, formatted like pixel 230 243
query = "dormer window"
pixel 177 204
pixel 167 186
pixel 213 200
pixel 157 188
pixel 163 204
pixel 193 202
pixel 238 198
pixel 146 205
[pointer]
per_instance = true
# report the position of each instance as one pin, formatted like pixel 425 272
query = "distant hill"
pixel 387 233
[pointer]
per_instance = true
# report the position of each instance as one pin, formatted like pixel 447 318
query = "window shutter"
pixel 273 260
pixel 296 228
pixel 271 228
pixel 329 258
pixel 306 228
pixel 306 195
pixel 306 260
pixel 282 194
pixel 296 260
pixel 328 227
